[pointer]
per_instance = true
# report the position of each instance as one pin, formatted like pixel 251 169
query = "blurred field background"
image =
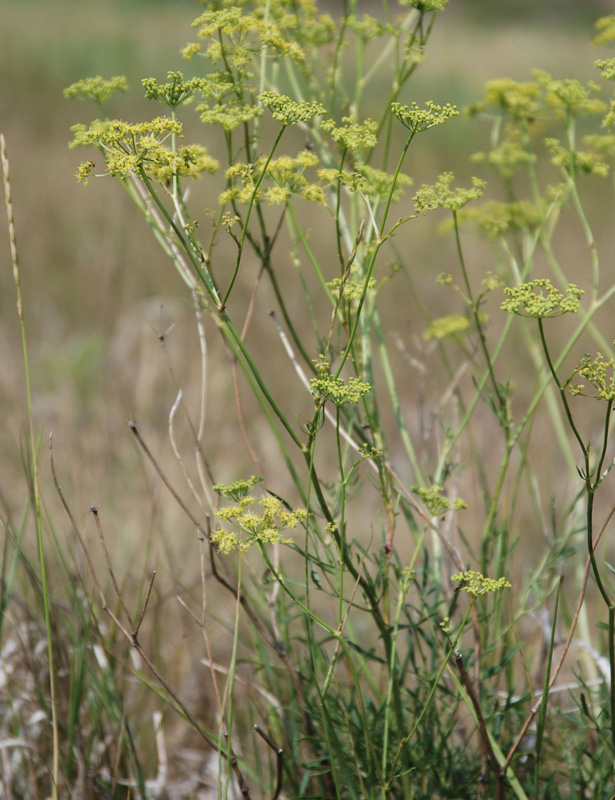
pixel 97 290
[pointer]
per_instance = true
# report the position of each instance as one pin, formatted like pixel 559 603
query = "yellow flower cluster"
pixel 426 6
pixel 367 180
pixel 128 148
pixel 97 89
pixel 252 527
pixel 453 326
pixel 327 387
pixel 606 30
pixel 440 195
pixel 540 299
pixel 236 38
pixel 287 175
pixel 568 97
pixel 606 67
pixel 288 111
pixel 519 101
pixel 524 101
pixel 435 502
pixel 417 119
pixel 350 289
pixel 477 584
pixel 600 374
pixel 176 91
pixel 351 134
pixel 369 28
pixel 577 161
pixel 508 156
pixel 495 219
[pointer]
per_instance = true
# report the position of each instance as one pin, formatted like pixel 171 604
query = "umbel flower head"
pixel 509 156
pixel 495 219
pixel 288 111
pixel 540 299
pixel 440 195
pixel 569 97
pixel 476 584
pixel 428 6
pixel 350 290
pixel 577 161
pixel 352 135
pixel 236 38
pixel 435 502
pixel 327 387
pixel 606 67
pixel 417 119
pixel 97 89
pixel 176 91
pixel 287 174
pixel 368 181
pixel 452 326
pixel 252 527
pixel 605 28
pixel 130 147
pixel 518 101
pixel 600 374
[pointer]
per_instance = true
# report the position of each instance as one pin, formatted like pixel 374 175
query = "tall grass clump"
pixel 406 548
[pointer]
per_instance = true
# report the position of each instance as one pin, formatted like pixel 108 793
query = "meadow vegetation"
pixel 332 519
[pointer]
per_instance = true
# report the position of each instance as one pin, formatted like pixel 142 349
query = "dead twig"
pixel 133 427
pixel 280 761
pixel 486 747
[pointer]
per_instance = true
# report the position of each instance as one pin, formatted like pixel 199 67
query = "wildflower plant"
pixel 332 567
pixel 264 528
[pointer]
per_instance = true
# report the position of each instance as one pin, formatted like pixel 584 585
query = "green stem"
pixel 561 389
pixel 312 258
pixel 342 515
pixel 226 320
pixel 372 261
pixel 432 692
pixel 474 305
pixel 36 496
pixel 244 230
pixel 590 487
pixel 403 589
pixel 612 666
pixel 605 441
pixel 589 236
pixel 187 247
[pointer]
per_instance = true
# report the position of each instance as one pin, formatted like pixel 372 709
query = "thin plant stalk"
pixel 34 453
